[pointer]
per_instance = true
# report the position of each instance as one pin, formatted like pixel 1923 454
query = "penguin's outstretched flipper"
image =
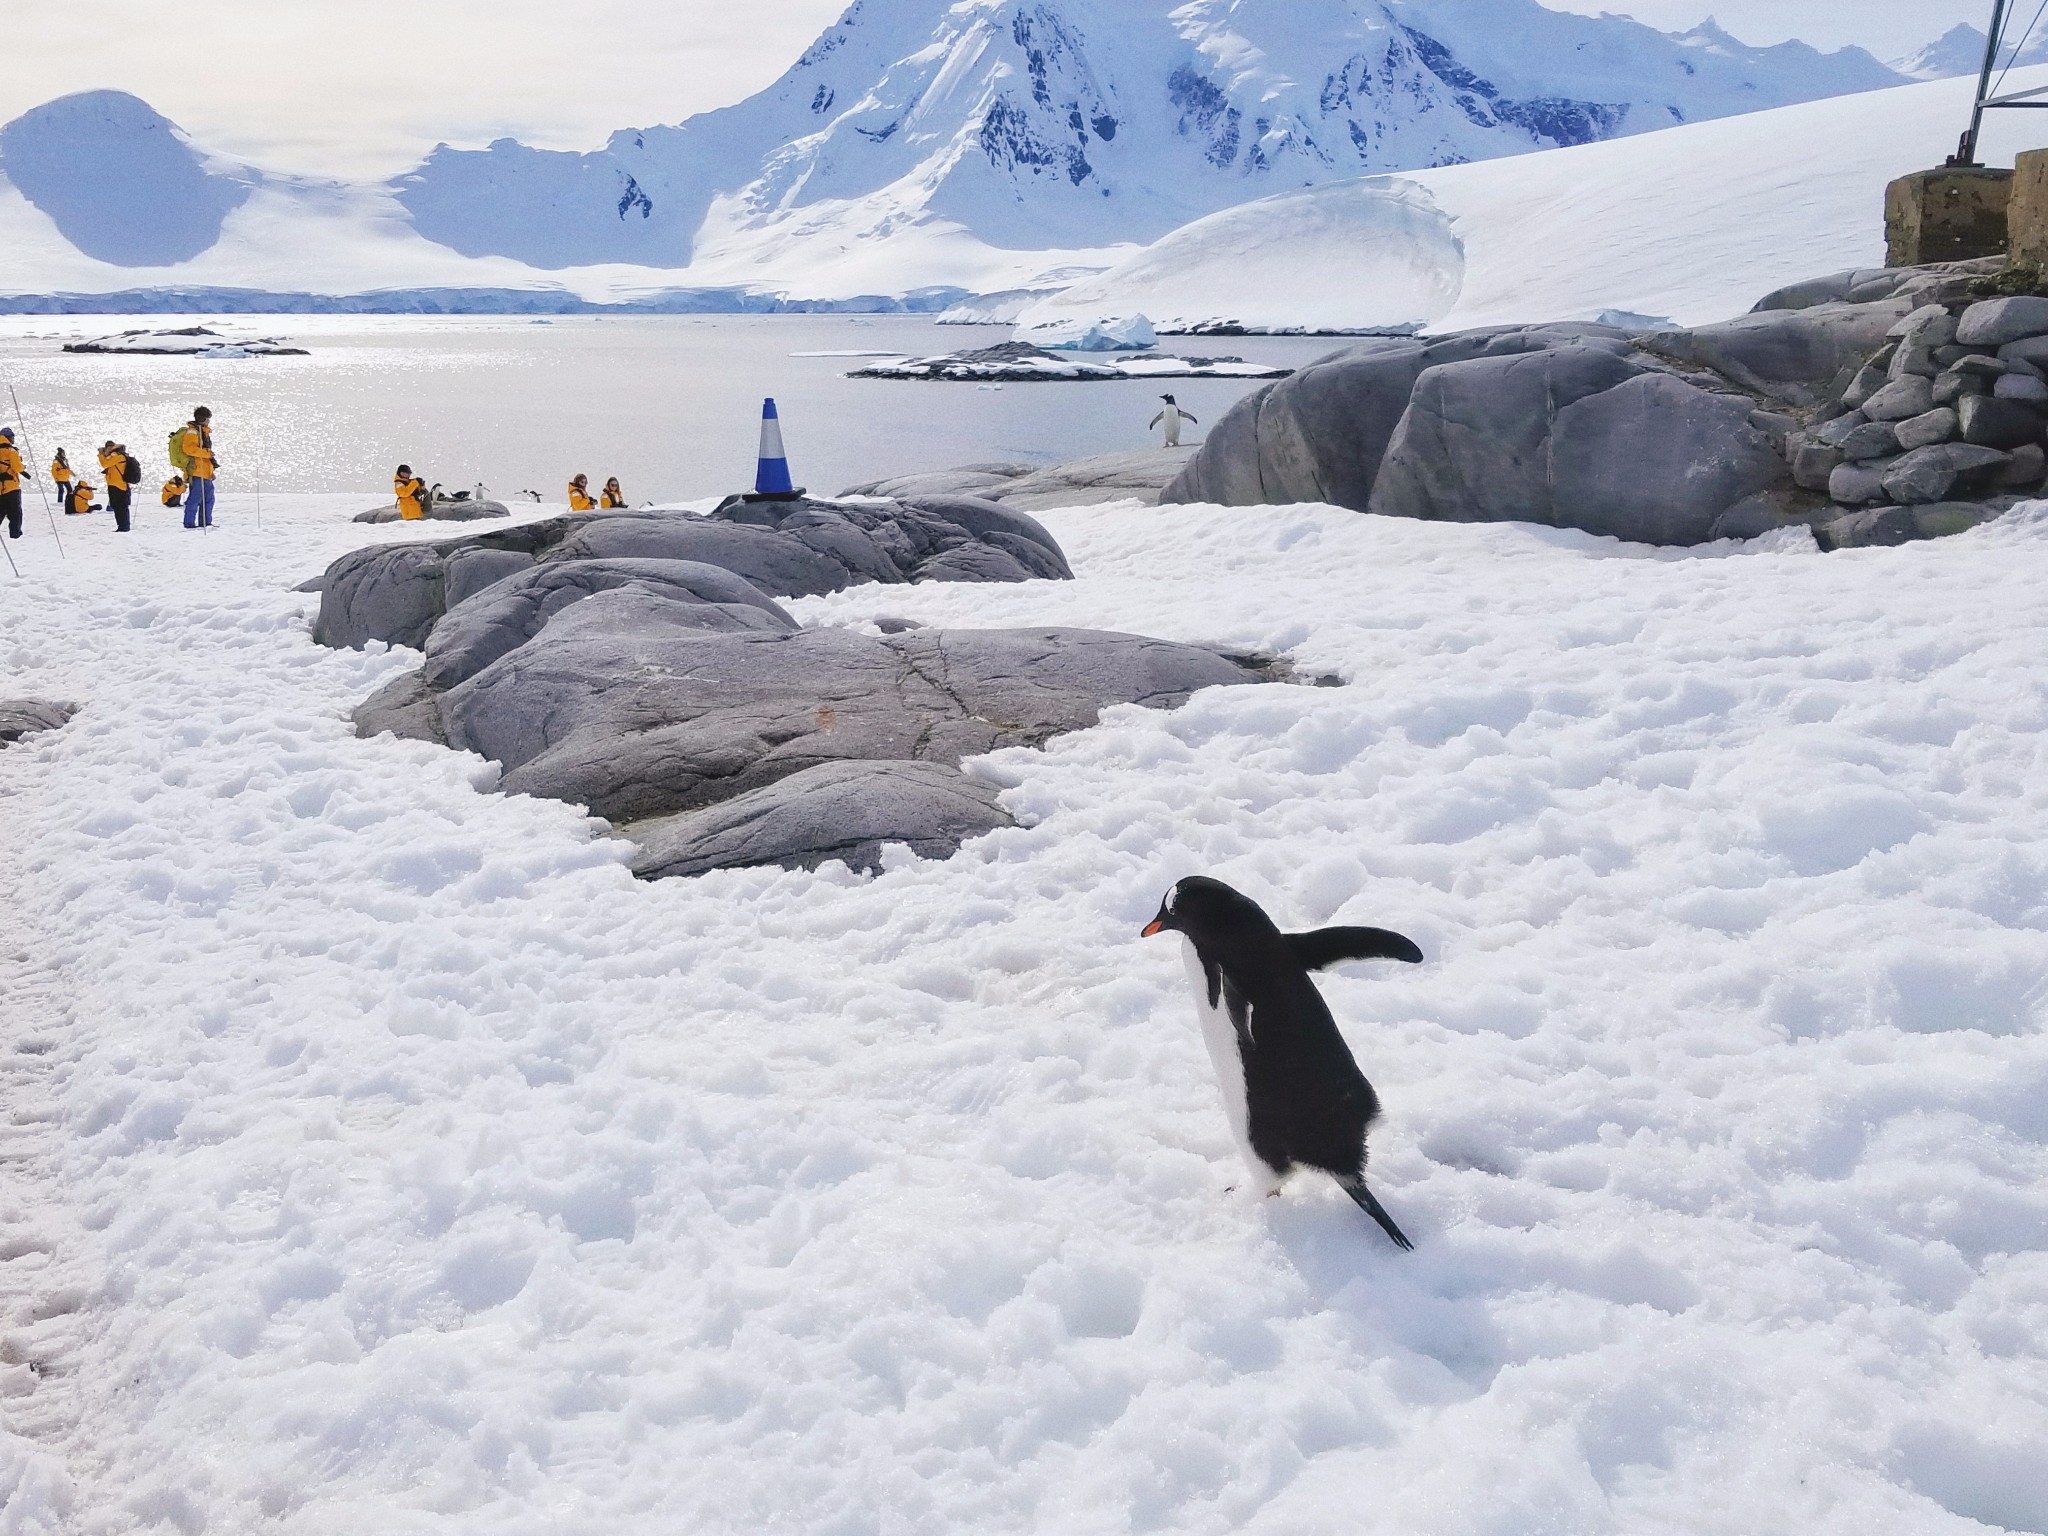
pixel 1329 946
pixel 1354 1186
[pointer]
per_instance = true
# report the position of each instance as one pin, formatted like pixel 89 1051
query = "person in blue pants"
pixel 196 443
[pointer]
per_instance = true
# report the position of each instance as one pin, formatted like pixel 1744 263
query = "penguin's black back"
pixel 1306 1101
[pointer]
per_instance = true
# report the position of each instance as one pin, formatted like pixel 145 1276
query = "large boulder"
pixel 1322 434
pixel 398 592
pixel 1650 435
pixel 846 810
pixel 1574 437
pixel 635 722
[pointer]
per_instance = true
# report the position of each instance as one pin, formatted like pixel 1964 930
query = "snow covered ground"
pixel 385 1158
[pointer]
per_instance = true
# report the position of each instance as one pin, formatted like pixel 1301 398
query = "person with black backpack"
pixel 122 472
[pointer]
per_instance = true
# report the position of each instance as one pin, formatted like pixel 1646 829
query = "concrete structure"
pixel 2027 217
pixel 1953 214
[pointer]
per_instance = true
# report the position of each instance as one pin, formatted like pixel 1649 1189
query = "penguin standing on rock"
pixel 1172 417
pixel 1291 1090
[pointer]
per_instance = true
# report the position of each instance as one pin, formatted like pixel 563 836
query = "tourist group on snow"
pixel 190 486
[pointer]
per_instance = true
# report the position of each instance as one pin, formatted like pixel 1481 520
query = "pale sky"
pixel 367 87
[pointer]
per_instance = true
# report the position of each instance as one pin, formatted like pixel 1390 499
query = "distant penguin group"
pixel 1291 1090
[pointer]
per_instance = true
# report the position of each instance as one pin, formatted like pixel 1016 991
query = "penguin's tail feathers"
pixel 1354 1186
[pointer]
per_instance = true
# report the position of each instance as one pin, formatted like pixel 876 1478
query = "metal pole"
pixel 4 550
pixel 30 454
pixel 1966 152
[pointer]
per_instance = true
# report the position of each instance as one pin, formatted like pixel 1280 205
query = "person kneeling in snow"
pixel 1173 416
pixel 174 491
pixel 81 498
pixel 411 491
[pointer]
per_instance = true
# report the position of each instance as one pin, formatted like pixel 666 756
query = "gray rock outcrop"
pixel 635 722
pixel 1858 389
pixel 396 593
pixel 604 660
pixel 847 811
pixel 27 717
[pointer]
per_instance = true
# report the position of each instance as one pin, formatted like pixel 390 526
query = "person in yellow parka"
pixel 61 473
pixel 195 444
pixel 411 491
pixel 11 472
pixel 613 496
pixel 81 499
pixel 114 465
pixel 174 490
pixel 579 495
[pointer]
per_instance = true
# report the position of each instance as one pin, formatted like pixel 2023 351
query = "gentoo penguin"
pixel 1293 1094
pixel 1173 416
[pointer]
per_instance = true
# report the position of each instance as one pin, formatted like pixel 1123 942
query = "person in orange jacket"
pixel 80 501
pixel 579 495
pixel 11 473
pixel 61 475
pixel 174 490
pixel 411 491
pixel 114 465
pixel 613 496
pixel 195 442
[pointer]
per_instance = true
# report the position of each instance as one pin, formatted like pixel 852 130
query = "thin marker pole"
pixel 21 423
pixel 4 550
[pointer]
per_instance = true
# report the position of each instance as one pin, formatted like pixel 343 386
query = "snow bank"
pixel 1698 223
pixel 390 1159
pixel 1369 255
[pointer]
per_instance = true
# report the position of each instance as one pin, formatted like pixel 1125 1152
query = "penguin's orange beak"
pixel 1155 926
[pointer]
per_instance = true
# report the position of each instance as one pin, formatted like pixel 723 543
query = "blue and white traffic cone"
pixel 771 478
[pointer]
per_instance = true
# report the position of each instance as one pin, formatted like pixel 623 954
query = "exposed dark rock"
pixel 1993 423
pixel 1872 440
pixel 406 707
pixel 1994 322
pixel 1934 474
pixel 27 717
pixel 1884 527
pixel 846 811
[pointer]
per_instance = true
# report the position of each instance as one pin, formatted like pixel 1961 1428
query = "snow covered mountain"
pixel 1087 122
pixel 1960 51
pixel 122 182
pixel 919 151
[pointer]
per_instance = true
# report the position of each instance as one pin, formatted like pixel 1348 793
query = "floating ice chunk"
pixel 1096 333
pixel 1375 254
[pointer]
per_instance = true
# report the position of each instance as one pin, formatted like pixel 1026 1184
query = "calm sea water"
pixel 670 404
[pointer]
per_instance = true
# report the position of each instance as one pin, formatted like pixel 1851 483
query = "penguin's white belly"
pixel 1219 1034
